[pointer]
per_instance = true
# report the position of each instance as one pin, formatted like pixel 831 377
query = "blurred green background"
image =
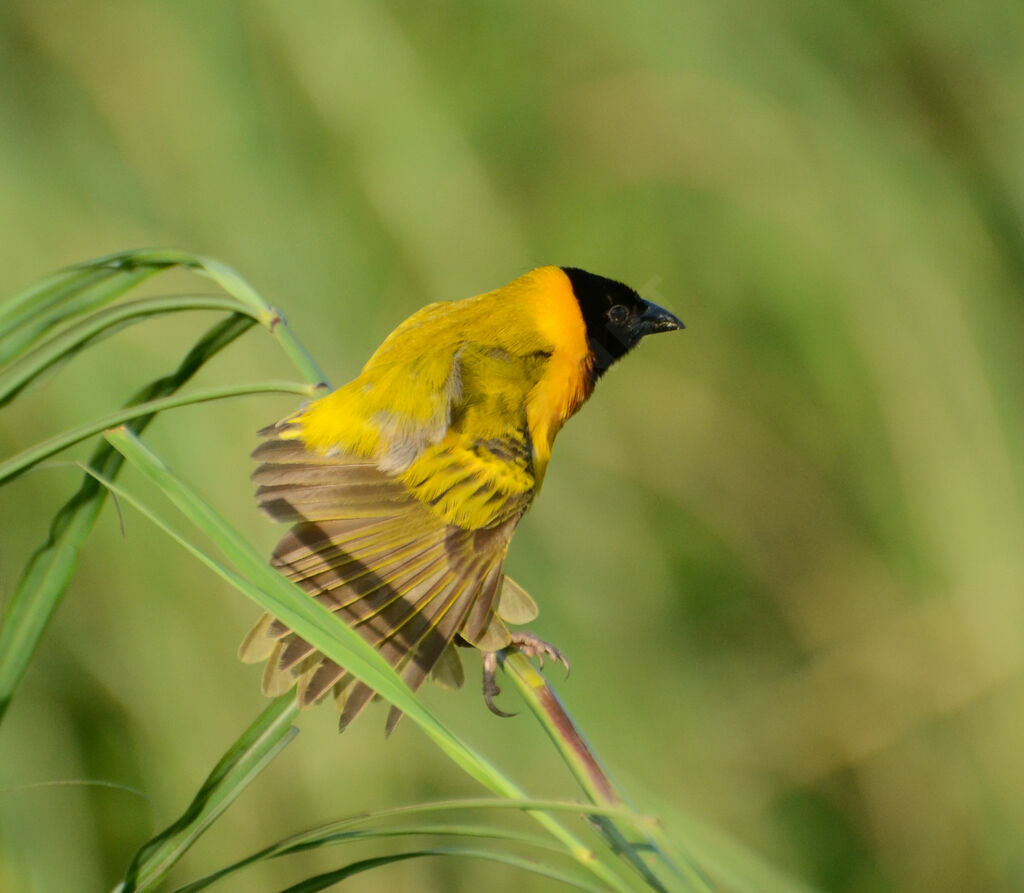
pixel 783 549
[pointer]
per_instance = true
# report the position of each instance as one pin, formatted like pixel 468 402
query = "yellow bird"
pixel 405 485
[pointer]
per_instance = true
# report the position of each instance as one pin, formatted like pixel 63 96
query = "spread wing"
pixel 409 553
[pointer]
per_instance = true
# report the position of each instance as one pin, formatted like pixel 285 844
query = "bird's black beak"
pixel 656 319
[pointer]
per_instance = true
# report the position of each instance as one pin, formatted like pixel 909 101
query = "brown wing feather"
pixel 365 548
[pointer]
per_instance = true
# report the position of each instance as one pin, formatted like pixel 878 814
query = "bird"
pixel 404 486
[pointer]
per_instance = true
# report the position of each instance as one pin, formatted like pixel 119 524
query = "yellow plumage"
pixel 473 358
pixel 405 484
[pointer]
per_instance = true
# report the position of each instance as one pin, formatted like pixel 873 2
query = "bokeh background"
pixel 783 548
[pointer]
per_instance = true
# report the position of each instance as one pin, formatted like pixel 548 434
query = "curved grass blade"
pixel 259 744
pixel 84 283
pixel 69 284
pixel 344 828
pixel 42 295
pixel 269 317
pixel 66 344
pixel 229 280
pixel 484 832
pixel 318 626
pixel 323 881
pixel 49 571
pixel 26 317
pixel 466 804
pixel 16 465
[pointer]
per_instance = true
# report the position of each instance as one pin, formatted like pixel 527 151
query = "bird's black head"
pixel 616 317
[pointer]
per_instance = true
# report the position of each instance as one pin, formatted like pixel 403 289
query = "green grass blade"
pixel 228 279
pixel 323 881
pixel 483 832
pixel 132 258
pixel 49 570
pixel 24 318
pixel 42 295
pixel 468 804
pixel 318 626
pixel 234 284
pixel 343 828
pixel 258 745
pixel 11 468
pixel 271 318
pixel 30 315
pixel 66 344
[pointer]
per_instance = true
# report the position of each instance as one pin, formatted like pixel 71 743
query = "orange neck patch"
pixel 566 382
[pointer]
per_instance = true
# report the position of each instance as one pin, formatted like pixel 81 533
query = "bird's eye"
pixel 618 314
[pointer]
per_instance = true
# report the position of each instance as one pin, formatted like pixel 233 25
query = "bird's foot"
pixel 527 644
pixel 534 646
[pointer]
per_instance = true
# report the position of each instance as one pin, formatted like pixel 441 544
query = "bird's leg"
pixel 527 644
pixel 491 690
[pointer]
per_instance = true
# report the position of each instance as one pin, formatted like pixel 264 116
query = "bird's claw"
pixel 533 646
pixel 528 645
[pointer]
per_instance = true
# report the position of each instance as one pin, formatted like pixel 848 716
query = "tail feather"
pixel 381 633
pixel 416 663
pixel 293 652
pixel 313 684
pixel 356 700
pixel 259 642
